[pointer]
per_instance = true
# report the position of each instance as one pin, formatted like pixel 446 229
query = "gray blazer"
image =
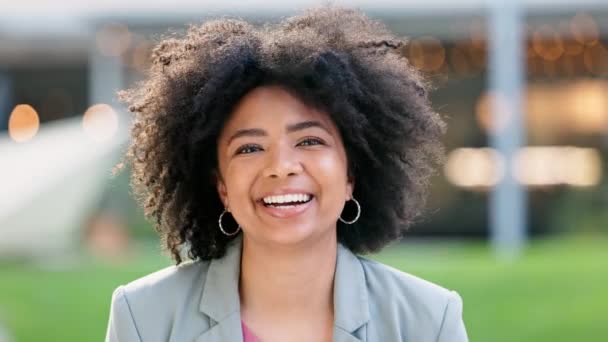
pixel 199 301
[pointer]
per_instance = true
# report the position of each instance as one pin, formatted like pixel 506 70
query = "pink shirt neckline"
pixel 248 336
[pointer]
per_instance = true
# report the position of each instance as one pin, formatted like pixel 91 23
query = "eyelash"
pixel 240 149
pixel 316 140
pixel 248 146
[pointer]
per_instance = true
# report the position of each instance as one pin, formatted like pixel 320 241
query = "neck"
pixel 288 284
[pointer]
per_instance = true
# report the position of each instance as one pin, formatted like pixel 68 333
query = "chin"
pixel 289 235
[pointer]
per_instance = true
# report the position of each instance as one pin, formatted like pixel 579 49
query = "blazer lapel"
pixel 351 308
pixel 220 298
pixel 221 303
pixel 344 336
pixel 228 329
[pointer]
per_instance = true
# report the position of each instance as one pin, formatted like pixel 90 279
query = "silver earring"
pixel 358 213
pixel 219 221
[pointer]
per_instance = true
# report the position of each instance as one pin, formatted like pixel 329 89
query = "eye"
pixel 246 149
pixel 311 142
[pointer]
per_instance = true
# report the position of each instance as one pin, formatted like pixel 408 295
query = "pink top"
pixel 248 336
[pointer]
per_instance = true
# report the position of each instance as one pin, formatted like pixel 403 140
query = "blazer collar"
pixel 220 297
pixel 351 309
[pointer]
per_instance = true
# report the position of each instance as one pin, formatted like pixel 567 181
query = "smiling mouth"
pixel 286 205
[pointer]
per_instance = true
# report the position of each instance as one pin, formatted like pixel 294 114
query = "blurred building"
pixel 60 59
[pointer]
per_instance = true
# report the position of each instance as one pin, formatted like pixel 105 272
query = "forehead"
pixel 270 106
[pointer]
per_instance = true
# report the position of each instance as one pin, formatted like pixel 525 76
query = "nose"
pixel 282 162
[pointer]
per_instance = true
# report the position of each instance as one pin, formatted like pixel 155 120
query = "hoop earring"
pixel 358 213
pixel 219 221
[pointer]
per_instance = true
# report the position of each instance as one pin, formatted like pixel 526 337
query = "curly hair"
pixel 332 58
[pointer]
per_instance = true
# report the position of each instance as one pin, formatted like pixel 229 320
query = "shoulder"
pixel 410 301
pixel 148 307
pixel 166 282
pixel 164 290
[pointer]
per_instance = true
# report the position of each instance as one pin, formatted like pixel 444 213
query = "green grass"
pixel 557 290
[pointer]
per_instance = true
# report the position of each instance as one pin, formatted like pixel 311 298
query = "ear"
pixel 350 187
pixel 221 188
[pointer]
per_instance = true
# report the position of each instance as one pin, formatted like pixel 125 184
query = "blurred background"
pixel 518 215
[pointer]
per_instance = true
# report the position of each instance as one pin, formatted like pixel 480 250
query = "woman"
pixel 270 157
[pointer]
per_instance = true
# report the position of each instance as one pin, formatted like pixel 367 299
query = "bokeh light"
pixel 460 61
pixel 587 102
pixel 555 165
pixel 23 123
pixel 547 43
pixel 100 122
pixel 427 54
pixel 584 28
pixel 474 167
pixel 493 111
pixel 596 59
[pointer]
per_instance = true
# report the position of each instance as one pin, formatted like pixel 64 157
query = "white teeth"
pixel 286 198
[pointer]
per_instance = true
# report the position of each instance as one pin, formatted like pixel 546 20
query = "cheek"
pixel 238 182
pixel 331 171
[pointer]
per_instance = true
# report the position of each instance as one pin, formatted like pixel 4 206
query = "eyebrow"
pixel 258 132
pixel 304 125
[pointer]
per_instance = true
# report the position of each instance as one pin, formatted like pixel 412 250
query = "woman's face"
pixel 283 169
